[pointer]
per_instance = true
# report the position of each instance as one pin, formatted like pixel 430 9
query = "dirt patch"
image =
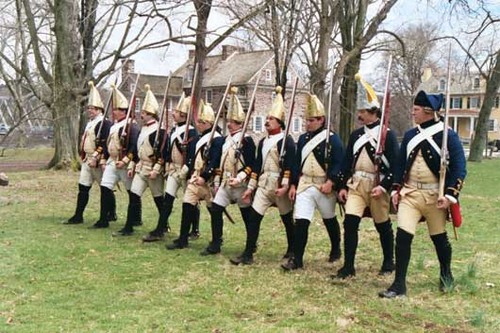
pixel 17 166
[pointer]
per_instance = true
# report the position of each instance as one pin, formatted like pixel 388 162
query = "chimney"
pixel 228 50
pixel 128 67
pixel 191 54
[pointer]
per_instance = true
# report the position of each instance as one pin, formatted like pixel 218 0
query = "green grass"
pixel 56 278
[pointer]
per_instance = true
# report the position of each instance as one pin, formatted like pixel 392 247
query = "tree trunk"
pixel 67 76
pixel 348 99
pixel 478 144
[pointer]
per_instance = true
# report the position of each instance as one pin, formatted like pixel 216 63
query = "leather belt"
pixel 423 186
pixel 364 174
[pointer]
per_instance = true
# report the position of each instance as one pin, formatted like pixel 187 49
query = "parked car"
pixel 495 145
pixel 4 129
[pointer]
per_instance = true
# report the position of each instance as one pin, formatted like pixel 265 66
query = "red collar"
pixel 274 131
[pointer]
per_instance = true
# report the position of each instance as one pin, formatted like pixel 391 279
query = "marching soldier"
pixel 416 190
pixel 314 188
pixel 121 148
pixel 148 170
pixel 232 175
pixel 202 171
pixel 270 180
pixel 93 144
pixel 178 157
pixel 359 188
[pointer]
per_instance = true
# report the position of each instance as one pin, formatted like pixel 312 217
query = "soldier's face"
pixel 365 117
pixel 202 126
pixel 179 117
pixel 271 124
pixel 93 112
pixel 233 125
pixel 420 115
pixel 314 123
pixel 145 117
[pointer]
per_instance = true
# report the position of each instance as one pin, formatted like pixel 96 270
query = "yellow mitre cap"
pixel 235 110
pixel 119 100
pixel 150 104
pixel 278 108
pixel 366 98
pixel 94 97
pixel 314 107
pixel 206 113
pixel 184 104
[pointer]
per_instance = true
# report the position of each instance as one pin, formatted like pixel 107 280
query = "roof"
pixel 460 84
pixel 241 66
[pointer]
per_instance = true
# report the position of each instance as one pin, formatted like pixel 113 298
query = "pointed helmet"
pixel 278 107
pixel 119 100
pixel 94 97
pixel 235 110
pixel 366 98
pixel 314 107
pixel 206 113
pixel 150 104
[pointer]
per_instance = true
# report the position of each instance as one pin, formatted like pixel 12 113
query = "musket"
pixel 384 124
pixel 444 144
pixel 191 110
pixel 157 149
pixel 251 107
pixel 106 111
pixel 217 117
pixel 125 135
pixel 328 121
pixel 288 122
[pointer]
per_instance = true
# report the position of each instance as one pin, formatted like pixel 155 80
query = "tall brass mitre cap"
pixel 206 112
pixel 119 100
pixel 366 98
pixel 314 107
pixel 150 104
pixel 278 107
pixel 184 104
pixel 235 111
pixel 94 97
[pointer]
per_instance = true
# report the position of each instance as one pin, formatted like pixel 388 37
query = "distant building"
pixel 466 96
pixel 243 67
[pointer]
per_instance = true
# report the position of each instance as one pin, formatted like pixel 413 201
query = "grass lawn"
pixel 57 278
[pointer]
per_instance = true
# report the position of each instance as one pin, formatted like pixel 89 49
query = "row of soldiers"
pixel 297 178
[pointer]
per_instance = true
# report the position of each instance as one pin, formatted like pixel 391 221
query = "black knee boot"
pixel 443 250
pixel 252 229
pixel 351 228
pixel 81 203
pixel 112 207
pixel 333 229
pixel 386 236
pixel 403 254
pixel 217 226
pixel 165 208
pixel 301 232
pixel 290 238
pixel 133 215
pixel 137 215
pixel 188 213
pixel 195 225
pixel 106 202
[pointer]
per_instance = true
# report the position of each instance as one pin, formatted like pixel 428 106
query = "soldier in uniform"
pixel 92 147
pixel 178 157
pixel 270 180
pixel 317 177
pixel 202 171
pixel 121 148
pixel 147 164
pixel 416 190
pixel 366 186
pixel 233 173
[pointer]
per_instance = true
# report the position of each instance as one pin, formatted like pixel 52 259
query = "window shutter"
pixel 468 102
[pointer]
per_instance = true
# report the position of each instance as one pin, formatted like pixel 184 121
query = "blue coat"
pixel 391 152
pixel 456 171
pixel 335 154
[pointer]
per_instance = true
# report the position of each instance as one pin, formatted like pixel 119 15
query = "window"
pixel 456 103
pixel 497 102
pixel 296 125
pixel 442 85
pixel 492 125
pixel 258 124
pixel 269 75
pixel 208 96
pixel 137 104
pixel 189 74
pixel 476 83
pixel 242 92
pixel 474 102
